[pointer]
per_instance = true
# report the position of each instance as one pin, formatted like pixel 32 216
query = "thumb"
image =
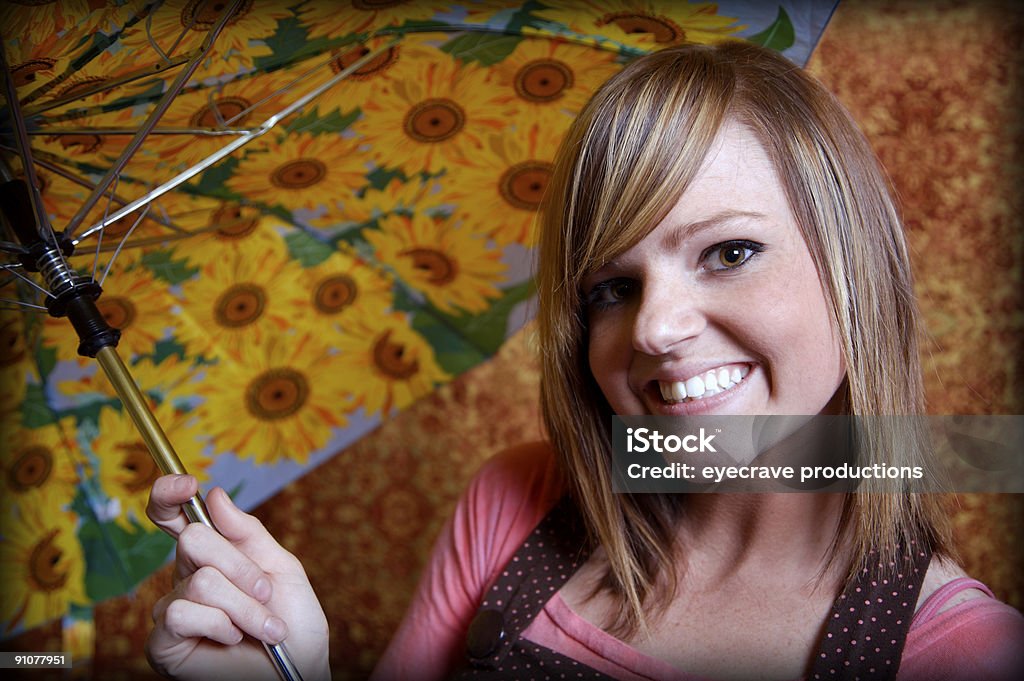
pixel 241 529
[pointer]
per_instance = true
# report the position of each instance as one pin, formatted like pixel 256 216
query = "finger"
pixel 246 531
pixel 209 587
pixel 165 499
pixel 202 547
pixel 183 620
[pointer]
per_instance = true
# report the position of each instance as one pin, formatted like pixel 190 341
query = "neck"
pixel 732 536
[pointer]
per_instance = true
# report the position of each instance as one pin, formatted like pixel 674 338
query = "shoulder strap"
pixel 868 624
pixel 547 559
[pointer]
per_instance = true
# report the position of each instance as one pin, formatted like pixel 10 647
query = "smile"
pixel 703 385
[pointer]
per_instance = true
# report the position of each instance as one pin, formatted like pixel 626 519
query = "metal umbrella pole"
pixel 70 295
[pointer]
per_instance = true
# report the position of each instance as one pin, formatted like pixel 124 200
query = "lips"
pixel 703 385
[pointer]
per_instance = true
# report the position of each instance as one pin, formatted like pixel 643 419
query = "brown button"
pixel 486 632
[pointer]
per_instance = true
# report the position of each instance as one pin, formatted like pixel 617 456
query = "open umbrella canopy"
pixel 370 242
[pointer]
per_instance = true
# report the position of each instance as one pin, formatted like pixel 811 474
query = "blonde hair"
pixel 625 162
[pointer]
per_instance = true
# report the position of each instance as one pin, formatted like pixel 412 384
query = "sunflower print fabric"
pixel 361 251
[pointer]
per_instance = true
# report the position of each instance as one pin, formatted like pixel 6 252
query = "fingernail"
pixel 180 483
pixel 275 629
pixel 261 590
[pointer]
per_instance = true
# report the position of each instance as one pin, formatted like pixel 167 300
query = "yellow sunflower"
pixel 14 357
pixel 127 470
pixel 37 60
pixel 138 304
pixel 433 113
pixel 513 175
pixel 168 379
pixel 41 565
pixel 389 362
pixel 453 266
pixel 82 145
pixel 278 401
pixel 552 79
pixel 39 465
pixel 244 102
pixel 303 171
pixel 237 300
pixel 84 17
pixel 647 24
pixel 60 196
pixel 339 286
pixel 415 194
pixel 219 227
pixel 375 74
pixel 93 82
pixel 239 43
pixel 133 300
pixel 329 18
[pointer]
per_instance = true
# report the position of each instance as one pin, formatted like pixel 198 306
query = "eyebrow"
pixel 675 238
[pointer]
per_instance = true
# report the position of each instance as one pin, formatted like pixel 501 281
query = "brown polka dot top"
pixel 863 639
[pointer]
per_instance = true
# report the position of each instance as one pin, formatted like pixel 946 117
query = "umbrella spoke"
pixel 151 120
pixel 99 236
pixel 117 251
pixel 42 223
pixel 105 86
pixel 233 146
pixel 20 305
pixel 19 275
pixel 42 160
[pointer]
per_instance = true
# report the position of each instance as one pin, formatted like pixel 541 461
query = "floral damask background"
pixel 936 87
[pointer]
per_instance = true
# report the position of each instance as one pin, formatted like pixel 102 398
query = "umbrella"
pixel 354 250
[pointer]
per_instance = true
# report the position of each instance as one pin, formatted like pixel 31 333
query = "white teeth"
pixel 704 385
pixel 710 381
pixel 678 391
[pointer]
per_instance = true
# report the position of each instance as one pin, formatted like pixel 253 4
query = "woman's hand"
pixel 230 593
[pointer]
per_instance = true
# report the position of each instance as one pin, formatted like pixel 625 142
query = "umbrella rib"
pixel 151 120
pixel 237 143
pixel 99 237
pixel 184 31
pixel 33 284
pixel 21 305
pixel 13 248
pixel 210 132
pixel 117 251
pixel 108 85
pixel 43 228
pixel 67 175
pixel 283 89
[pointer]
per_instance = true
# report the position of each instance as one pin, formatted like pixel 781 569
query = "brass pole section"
pixel 156 441
pixel 167 460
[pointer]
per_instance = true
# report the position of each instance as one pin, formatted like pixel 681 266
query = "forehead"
pixel 736 176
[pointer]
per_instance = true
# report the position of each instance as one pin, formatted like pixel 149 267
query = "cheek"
pixel 609 352
pixel 807 334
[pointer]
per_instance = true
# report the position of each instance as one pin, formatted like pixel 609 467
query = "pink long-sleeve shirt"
pixel 980 639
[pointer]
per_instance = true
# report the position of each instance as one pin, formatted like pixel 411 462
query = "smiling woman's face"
pixel 719 309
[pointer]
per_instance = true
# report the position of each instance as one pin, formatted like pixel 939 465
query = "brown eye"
pixel 732 256
pixel 611 292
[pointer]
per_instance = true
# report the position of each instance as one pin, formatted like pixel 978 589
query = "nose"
pixel 665 319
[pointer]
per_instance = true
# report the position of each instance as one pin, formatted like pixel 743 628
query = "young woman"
pixel 717 239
